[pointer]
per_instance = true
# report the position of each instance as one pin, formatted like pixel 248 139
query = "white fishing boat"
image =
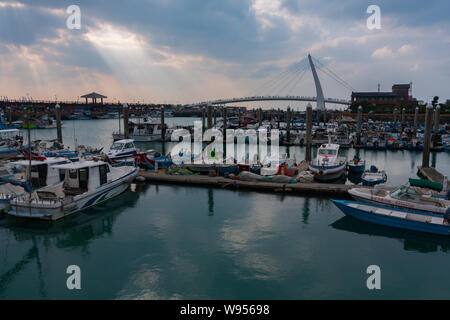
pixel 405 197
pixel 85 184
pixel 328 165
pixel 15 177
pixel 122 149
pixel 9 143
pixel 148 130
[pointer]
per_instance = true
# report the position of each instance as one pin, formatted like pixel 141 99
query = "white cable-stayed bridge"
pixel 289 79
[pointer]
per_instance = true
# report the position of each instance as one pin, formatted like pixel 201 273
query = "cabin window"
pixel 129 146
pixel 73 174
pixel 116 146
pixel 83 178
pixel 62 174
pixel 103 174
pixel 327 152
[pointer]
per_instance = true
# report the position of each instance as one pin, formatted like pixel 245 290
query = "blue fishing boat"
pixel 397 218
pixel 356 165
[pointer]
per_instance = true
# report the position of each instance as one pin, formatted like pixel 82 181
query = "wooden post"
pixel 163 125
pixel 308 156
pixel 239 116
pixel 416 120
pixel 10 115
pixel 279 118
pixel 437 119
pixel 225 119
pixel 215 117
pixel 358 127
pixel 58 123
pixel 288 123
pixel 260 117
pixel 209 117
pixel 427 139
pixel 203 119
pixel 126 131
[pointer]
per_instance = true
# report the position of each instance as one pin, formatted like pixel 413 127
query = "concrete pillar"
pixel 427 139
pixel 126 131
pixel 58 123
pixel 358 126
pixel 308 155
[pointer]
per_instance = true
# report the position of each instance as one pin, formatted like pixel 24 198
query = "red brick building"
pixel 401 96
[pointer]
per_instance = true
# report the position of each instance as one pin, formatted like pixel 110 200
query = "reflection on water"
pixel 210 202
pixel 412 240
pixel 75 231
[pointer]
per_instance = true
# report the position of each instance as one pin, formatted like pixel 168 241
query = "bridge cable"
pixel 274 78
pixel 297 81
pixel 333 75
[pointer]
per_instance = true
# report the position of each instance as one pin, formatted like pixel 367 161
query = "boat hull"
pixel 57 210
pixel 327 173
pixel 435 226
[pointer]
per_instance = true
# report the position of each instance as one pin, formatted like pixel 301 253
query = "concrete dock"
pixel 431 174
pixel 336 190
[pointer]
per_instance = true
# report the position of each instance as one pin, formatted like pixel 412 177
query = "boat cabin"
pixel 43 173
pixel 122 148
pixel 80 177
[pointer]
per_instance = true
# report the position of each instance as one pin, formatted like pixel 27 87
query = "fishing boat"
pixel 85 184
pixel 328 165
pixel 397 218
pixel 147 130
pixel 15 177
pixel 373 177
pixel 122 149
pixel 404 197
pixel 356 165
pixel 152 158
pixel 10 143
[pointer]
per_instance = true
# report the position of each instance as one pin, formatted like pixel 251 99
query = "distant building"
pixel 401 96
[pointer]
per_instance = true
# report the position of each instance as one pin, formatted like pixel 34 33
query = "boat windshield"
pixel 327 152
pixel 116 146
pixel 405 193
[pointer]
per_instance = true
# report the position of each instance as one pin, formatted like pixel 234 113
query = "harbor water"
pixel 179 242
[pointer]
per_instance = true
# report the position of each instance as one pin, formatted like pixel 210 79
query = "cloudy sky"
pixel 182 51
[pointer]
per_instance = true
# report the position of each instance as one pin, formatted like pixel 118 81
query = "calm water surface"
pixel 174 242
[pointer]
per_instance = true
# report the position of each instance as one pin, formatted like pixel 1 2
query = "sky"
pixel 175 51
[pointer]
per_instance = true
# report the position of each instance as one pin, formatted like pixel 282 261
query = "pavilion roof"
pixel 94 95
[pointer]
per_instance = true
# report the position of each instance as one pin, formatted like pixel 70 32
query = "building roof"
pixel 374 94
pixel 401 87
pixel 94 95
pixel 80 165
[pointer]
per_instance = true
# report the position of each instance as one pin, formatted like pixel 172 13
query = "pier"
pixel 431 174
pixel 331 190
